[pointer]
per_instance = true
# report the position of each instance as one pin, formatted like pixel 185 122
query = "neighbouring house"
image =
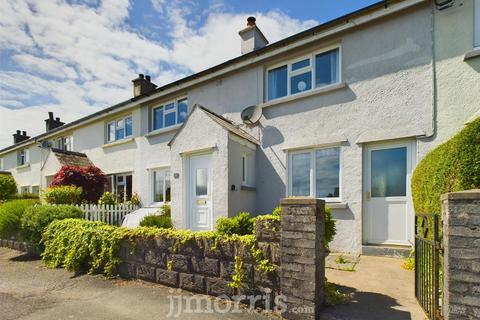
pixel 342 112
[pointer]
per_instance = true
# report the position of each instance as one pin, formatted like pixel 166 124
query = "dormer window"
pixel 119 129
pixel 169 114
pixel 303 74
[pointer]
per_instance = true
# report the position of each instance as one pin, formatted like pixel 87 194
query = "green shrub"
pixel 63 195
pixel 8 187
pixel 37 218
pixel 107 198
pixel 330 228
pixel 166 210
pixel 241 224
pixel 452 166
pixel 277 211
pixel 11 213
pixel 157 221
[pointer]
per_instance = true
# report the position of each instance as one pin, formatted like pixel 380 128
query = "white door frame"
pixel 188 188
pixel 411 163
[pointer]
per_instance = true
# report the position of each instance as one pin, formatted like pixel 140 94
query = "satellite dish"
pixel 46 144
pixel 251 115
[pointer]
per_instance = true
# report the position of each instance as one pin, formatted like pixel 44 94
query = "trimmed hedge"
pixel 11 213
pixel 8 187
pixel 63 195
pixel 36 219
pixel 452 166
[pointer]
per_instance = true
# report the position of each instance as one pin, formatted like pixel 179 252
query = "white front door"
pixel 200 192
pixel 387 197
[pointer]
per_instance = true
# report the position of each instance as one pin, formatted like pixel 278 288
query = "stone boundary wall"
pixel 461 258
pixel 202 265
pixel 21 246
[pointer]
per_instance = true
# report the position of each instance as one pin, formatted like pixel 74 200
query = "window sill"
pixel 248 188
pixel 163 130
pixel 337 205
pixel 117 143
pixel 303 95
pixel 475 52
pixel 23 166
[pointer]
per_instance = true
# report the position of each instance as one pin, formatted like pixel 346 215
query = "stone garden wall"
pixel 203 266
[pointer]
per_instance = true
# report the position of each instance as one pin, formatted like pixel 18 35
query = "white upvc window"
pixel 476 31
pixel 316 70
pixel 24 189
pixel 120 185
pixel 169 114
pixel 22 157
pixel 161 190
pixel 65 143
pixel 315 173
pixel 1 163
pixel 119 129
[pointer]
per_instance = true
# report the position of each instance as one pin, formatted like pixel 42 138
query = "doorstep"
pixel 386 251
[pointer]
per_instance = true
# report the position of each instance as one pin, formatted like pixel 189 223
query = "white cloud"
pixel 74 59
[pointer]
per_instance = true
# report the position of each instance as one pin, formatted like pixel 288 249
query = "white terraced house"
pixel 342 112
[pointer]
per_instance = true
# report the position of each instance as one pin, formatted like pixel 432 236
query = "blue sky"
pixel 78 56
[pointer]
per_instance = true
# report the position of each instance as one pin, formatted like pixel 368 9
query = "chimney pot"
pixel 24 133
pixel 141 76
pixel 251 21
pixel 57 119
pixel 148 78
pixel 50 115
pixel 18 132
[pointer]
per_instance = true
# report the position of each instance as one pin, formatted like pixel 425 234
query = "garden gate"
pixel 428 253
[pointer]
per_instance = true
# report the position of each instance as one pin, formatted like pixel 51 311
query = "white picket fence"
pixel 110 214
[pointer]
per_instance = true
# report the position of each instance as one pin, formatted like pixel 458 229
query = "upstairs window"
pixel 476 31
pixel 119 129
pixel 303 74
pixel 65 143
pixel 22 157
pixel 169 114
pixel 315 173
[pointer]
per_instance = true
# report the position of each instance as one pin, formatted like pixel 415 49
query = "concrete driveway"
pixel 30 291
pixel 381 289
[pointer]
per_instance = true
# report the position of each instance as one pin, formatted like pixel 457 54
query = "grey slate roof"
pixel 222 121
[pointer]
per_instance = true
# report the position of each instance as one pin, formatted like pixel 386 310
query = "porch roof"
pixel 70 158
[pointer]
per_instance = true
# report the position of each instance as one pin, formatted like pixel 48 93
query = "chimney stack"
pixel 52 123
pixel 143 85
pixel 20 136
pixel 252 38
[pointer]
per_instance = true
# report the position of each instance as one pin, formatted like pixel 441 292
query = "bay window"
pixel 303 74
pixel 315 173
pixel 161 186
pixel 119 129
pixel 169 114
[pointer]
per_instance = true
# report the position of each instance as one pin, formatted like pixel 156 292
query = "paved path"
pixel 382 290
pixel 29 291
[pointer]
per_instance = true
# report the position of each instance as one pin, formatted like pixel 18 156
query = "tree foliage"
pixel 91 179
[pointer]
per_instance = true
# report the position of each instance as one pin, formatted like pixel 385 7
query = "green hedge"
pixel 8 187
pixel 36 219
pixel 63 195
pixel 452 166
pixel 157 221
pixel 241 224
pixel 11 213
